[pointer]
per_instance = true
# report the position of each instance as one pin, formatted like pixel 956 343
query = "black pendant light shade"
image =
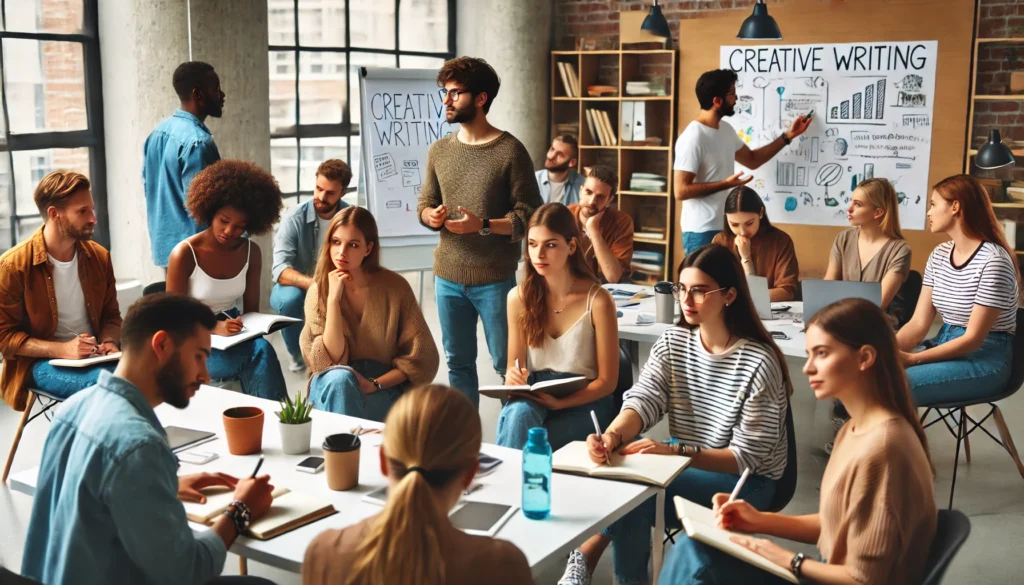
pixel 655 22
pixel 994 154
pixel 759 26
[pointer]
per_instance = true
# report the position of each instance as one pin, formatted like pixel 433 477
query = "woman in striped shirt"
pixel 724 387
pixel 973 283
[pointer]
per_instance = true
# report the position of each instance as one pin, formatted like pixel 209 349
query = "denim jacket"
pixel 573 183
pixel 106 509
pixel 174 153
pixel 298 240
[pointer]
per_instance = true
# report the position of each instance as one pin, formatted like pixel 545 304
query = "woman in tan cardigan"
pixel 365 339
pixel 877 516
pixel 762 249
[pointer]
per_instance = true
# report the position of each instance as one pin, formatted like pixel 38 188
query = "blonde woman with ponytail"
pixel 430 455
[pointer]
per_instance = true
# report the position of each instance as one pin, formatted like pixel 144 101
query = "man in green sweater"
pixel 479 192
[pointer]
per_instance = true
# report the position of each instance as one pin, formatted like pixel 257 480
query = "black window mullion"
pixel 298 73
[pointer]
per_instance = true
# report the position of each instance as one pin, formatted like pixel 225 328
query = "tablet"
pixel 482 518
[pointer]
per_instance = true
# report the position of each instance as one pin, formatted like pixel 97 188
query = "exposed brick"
pixel 1002 107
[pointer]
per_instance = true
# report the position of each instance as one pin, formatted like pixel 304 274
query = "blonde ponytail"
pixel 432 436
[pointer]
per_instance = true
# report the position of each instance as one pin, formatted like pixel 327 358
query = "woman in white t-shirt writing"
pixel 972 282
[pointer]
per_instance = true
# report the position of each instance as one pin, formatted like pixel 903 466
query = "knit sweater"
pixel 877 509
pixel 773 255
pixel 493 181
pixel 390 330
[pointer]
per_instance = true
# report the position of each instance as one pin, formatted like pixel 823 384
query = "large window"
pixel 52 113
pixel 316 50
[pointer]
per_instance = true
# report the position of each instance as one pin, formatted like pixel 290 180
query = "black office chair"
pixel 956 418
pixel 8 577
pixel 903 305
pixel 950 534
pixel 625 381
pixel 155 287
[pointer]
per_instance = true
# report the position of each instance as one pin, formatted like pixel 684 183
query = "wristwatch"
pixel 685 450
pixel 375 383
pixel 796 563
pixel 786 139
pixel 240 515
pixel 486 230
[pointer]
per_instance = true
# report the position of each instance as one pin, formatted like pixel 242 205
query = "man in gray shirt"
pixel 297 247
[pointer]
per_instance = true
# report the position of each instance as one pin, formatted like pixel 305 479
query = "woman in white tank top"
pixel 218 266
pixel 561 323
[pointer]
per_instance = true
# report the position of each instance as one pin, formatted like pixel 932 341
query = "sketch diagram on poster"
pixel 384 166
pixel 411 173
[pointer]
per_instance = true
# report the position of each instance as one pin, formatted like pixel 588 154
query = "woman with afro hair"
pixel 234 199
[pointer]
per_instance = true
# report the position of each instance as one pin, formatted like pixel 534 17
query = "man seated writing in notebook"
pixel 107 509
pixel 57 296
pixel 607 232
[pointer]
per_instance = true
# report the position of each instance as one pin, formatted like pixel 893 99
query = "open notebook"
pixel 289 511
pixel 699 524
pixel 656 470
pixel 86 362
pixel 253 325
pixel 556 388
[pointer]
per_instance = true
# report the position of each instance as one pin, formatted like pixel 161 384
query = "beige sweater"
pixel 391 330
pixel 878 511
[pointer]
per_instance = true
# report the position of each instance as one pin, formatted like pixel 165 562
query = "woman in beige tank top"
pixel 877 515
pixel 561 323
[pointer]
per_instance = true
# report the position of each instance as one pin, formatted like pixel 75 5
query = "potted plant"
pixel 295 424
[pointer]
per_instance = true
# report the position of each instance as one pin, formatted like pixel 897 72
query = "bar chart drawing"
pixel 863 105
pixel 788 174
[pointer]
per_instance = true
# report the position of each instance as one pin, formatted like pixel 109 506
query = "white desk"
pixel 648 334
pixel 581 506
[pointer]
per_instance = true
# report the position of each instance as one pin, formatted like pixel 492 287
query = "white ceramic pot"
pixel 295 438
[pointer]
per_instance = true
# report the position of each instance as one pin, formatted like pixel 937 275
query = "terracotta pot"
pixel 243 427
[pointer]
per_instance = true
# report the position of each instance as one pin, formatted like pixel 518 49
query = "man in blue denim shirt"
pixel 297 245
pixel 558 180
pixel 174 152
pixel 107 506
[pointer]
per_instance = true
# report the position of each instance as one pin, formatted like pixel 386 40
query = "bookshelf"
pixel 650 204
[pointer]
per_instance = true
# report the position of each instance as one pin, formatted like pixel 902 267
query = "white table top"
pixel 581 506
pixel 628 329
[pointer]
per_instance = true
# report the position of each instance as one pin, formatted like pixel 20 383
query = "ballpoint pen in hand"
pixel 257 470
pixel 597 429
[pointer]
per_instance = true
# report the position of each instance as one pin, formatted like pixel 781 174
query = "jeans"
pixel 64 382
pixel 519 415
pixel 694 240
pixel 983 372
pixel 631 534
pixel 458 306
pixel 337 390
pixel 289 301
pixel 695 563
pixel 252 362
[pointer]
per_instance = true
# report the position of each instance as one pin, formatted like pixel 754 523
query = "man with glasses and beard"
pixel 297 246
pixel 558 180
pixel 107 508
pixel 706 156
pixel 57 296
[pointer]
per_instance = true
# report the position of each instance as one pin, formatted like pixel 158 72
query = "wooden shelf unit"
pixel 650 210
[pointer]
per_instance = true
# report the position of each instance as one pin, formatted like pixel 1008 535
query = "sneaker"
pixel 576 572
pixel 828 448
pixel 297 365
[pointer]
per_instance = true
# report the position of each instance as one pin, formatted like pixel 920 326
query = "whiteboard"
pixel 402 114
pixel 872 106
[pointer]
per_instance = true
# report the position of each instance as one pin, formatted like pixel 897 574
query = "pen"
pixel 597 429
pixel 472 488
pixel 95 346
pixel 739 485
pixel 260 464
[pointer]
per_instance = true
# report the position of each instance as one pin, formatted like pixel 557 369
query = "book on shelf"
pixel 649 235
pixel 290 510
pixel 574 79
pixel 609 128
pixel 594 136
pixel 657 470
pixel 567 128
pixel 646 267
pixel 648 256
pixel 626 123
pixel 640 121
pixel 563 73
pixel 557 388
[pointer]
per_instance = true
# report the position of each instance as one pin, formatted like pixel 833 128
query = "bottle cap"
pixel 663 287
pixel 538 434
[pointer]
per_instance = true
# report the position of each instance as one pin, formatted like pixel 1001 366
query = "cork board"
pixel 819 21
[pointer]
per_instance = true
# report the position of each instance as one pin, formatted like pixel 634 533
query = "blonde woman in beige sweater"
pixel 877 515
pixel 365 339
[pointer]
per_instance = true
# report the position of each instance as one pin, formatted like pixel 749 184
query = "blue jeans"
pixel 458 306
pixel 289 301
pixel 694 240
pixel 564 426
pixel 254 363
pixel 337 390
pixel 64 382
pixel 696 563
pixel 631 534
pixel 983 372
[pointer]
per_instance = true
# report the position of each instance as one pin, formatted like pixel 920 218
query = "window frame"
pixel 92 137
pixel 347 128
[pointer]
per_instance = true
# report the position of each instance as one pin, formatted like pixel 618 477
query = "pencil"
pixel 257 470
pixel 597 429
pixel 739 485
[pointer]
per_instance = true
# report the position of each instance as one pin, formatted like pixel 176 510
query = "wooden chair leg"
pixel 1004 433
pixel 963 431
pixel 17 435
pixel 243 566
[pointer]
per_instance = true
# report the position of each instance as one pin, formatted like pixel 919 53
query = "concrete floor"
pixel 989 489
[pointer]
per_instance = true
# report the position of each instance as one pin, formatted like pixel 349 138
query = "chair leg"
pixel 17 434
pixel 1004 432
pixel 963 431
pixel 956 458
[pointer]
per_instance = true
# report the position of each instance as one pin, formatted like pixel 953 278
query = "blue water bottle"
pixel 537 475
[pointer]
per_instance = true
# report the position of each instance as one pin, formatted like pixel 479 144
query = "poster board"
pixel 872 104
pixel 402 114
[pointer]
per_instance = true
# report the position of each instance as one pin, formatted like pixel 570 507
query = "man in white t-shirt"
pixel 706 155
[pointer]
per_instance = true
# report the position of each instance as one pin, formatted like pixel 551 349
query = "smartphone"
pixel 487 464
pixel 197 457
pixel 779 335
pixel 310 465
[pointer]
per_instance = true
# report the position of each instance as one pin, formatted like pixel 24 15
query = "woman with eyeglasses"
pixel 724 387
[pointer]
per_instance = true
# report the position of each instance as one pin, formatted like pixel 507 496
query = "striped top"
pixel 987 278
pixel 735 400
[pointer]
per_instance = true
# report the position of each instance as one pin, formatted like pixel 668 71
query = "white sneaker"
pixel 576 572
pixel 297 365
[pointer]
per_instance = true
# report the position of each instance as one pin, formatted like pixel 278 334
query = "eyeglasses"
pixel 453 93
pixel 680 291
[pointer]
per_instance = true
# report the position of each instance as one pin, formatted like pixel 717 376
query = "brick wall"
pixel 590 18
pixel 999 19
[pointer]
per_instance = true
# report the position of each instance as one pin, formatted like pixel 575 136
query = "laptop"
pixel 758 286
pixel 818 294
